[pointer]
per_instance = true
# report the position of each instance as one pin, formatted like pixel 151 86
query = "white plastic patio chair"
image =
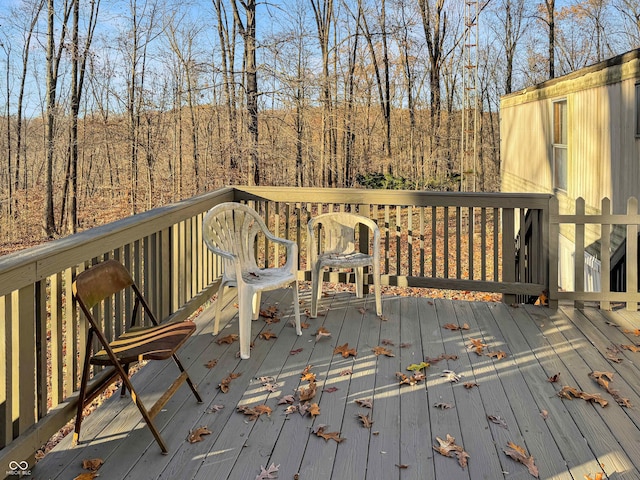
pixel 230 230
pixel 338 250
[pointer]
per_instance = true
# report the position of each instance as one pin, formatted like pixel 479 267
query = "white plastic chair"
pixel 230 230
pixel 338 250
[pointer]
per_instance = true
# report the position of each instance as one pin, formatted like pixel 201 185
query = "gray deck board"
pixel 576 439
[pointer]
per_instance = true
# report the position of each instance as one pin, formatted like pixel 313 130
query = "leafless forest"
pixel 112 107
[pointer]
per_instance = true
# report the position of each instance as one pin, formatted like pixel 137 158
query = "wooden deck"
pixel 577 438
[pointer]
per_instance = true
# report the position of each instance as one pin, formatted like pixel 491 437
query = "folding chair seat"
pixel 159 341
pixel 230 231
pixel 332 244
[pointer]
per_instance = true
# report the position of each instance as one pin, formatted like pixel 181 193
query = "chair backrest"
pixel 231 228
pixel 101 281
pixel 339 229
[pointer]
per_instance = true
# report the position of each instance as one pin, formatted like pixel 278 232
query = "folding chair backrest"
pixel 232 228
pixel 101 281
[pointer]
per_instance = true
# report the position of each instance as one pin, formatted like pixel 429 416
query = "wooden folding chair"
pixel 155 342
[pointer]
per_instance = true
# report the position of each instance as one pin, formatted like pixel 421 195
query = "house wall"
pixel 603 152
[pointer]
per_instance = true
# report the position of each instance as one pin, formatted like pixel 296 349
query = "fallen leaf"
pixel 228 339
pixel 570 393
pixel 603 379
pixel 214 408
pixel 290 409
pixel 364 402
pixel 268 473
pixel 544 414
pixel 211 363
pixel 469 385
pixel 448 448
pixel 266 379
pixel 599 476
pixel 308 377
pixel 330 389
pixel 454 327
pixel 366 420
pixel 307 393
pixel 443 406
pixel 271 387
pixel 254 412
pixel 519 454
pixel 402 466
pixel 383 351
pixel 635 332
pixel 386 341
pixel 267 335
pixel 87 476
pixel 294 352
pixel 196 435
pixel 345 351
pixel 478 345
pixel 415 367
pixel 451 375
pixel 632 348
pixel 498 421
pixel 224 384
pixel 345 372
pixel 92 464
pixel 269 312
pixel 303 325
pixel 404 345
pixel 412 380
pixel 314 410
pixel 554 378
pixel 320 432
pixel 287 399
pixel 442 356
pixel 497 354
pixel 322 332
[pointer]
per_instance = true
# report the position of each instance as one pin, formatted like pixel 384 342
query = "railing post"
pixel 605 255
pixel 508 252
pixel 554 231
pixel 632 253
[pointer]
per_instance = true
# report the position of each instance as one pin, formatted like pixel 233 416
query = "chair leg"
pixel 216 323
pixel 255 305
pixel 376 286
pixel 316 288
pixel 245 302
pixel 189 382
pixel 83 388
pixel 359 271
pixel 296 307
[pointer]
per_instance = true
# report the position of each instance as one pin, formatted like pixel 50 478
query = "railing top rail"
pixel 27 267
pixel 394 197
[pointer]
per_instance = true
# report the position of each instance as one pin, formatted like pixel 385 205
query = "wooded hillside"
pixel 115 107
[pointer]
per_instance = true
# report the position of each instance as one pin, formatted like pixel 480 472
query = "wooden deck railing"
pixel 425 238
pixel 604 224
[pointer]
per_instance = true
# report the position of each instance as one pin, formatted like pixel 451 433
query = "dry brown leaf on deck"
pixel 404 345
pixel 469 385
pixel 478 345
pixel 269 312
pixel 383 351
pixel 499 354
pixel 224 384
pixel 287 399
pixel 211 363
pixel 345 351
pixel 330 389
pixel 345 372
pixel 320 432
pixel 295 352
pixel 303 325
pixel 554 378
pixel 307 393
pixel 402 465
pixel 92 464
pixel 267 335
pixel 268 473
pixel 448 448
pixel 322 332
pixel 570 393
pixel 366 420
pixel 271 387
pixel 254 412
pixel 196 435
pixel 442 356
pixel 632 348
pixel 229 339
pixel 635 332
pixel 308 377
pixel 443 405
pixel 544 414
pixel 214 408
pixel 498 421
pixel 603 379
pixel 364 402
pixel 599 476
pixel 87 476
pixel 314 410
pixel 290 409
pixel 412 380
pixel 519 454
pixel 454 327
pixel 386 341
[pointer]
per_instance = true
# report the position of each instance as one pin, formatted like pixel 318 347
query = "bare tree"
pixel 629 10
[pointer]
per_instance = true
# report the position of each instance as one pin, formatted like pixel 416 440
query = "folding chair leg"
pixel 83 388
pixel 189 382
